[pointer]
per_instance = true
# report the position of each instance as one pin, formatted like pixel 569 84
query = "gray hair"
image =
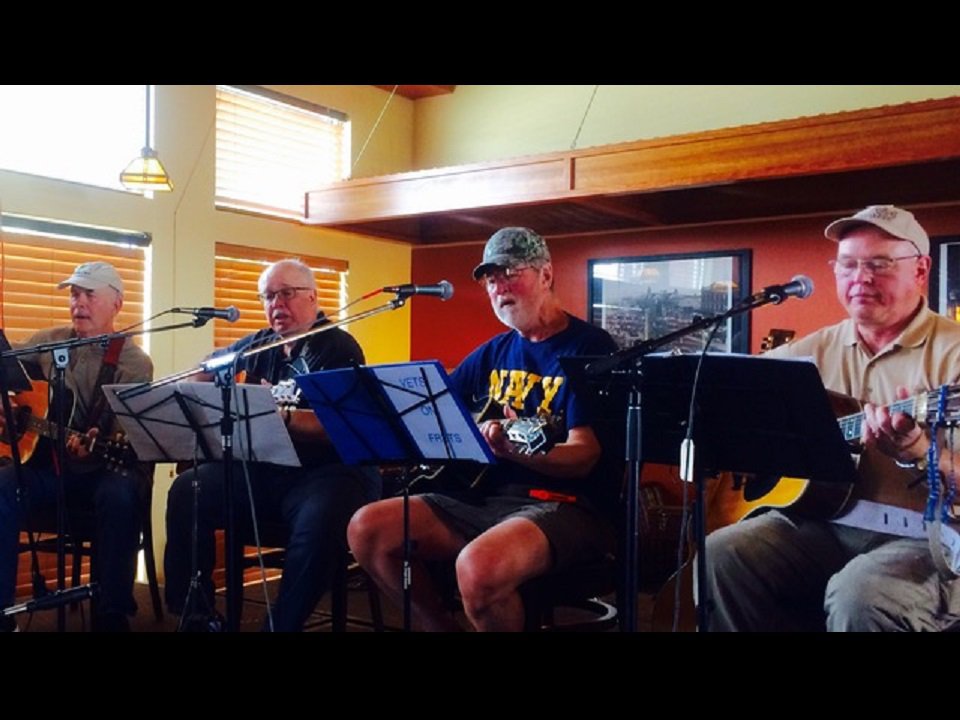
pixel 308 279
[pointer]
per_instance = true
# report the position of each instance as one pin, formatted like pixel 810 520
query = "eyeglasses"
pixel 880 265
pixel 506 276
pixel 285 293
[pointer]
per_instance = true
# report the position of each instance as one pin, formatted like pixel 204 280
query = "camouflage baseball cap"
pixel 893 220
pixel 512 247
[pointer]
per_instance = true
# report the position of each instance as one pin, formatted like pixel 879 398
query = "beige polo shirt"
pixel 925 356
pixel 133 366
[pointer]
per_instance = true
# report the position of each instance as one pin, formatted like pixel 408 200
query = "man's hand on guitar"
pixel 895 434
pixel 496 437
pixel 78 446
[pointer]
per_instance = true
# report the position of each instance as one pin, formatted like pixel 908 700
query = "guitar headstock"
pixel 533 434
pixel 776 338
pixel 286 393
pixel 115 452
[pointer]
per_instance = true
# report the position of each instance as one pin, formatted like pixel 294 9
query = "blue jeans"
pixel 314 504
pixel 114 499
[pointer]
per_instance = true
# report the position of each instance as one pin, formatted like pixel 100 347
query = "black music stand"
pixel 756 415
pixel 180 421
pixel 400 413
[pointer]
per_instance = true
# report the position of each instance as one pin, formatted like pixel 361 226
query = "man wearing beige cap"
pixel 873 567
pixel 96 296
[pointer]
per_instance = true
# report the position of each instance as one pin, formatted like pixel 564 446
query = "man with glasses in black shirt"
pixel 314 501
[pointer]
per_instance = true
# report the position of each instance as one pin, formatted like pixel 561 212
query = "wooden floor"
pixel 77 620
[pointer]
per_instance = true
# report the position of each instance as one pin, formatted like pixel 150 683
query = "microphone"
pixel 53 599
pixel 230 314
pixel 443 290
pixel 800 286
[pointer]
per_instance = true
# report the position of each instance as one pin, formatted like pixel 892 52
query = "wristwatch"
pixel 919 464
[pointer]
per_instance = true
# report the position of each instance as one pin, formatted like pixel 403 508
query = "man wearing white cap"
pixel 872 568
pixel 96 297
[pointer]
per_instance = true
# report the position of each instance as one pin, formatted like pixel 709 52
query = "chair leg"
pixel 373 595
pixel 149 561
pixel 338 597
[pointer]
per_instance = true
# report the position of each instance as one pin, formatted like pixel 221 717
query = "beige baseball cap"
pixel 898 222
pixel 94 276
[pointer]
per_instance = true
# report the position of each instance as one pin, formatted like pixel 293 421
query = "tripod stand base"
pixel 199 622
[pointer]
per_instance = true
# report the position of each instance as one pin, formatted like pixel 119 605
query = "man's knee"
pixel 490 569
pixel 369 530
pixel 859 599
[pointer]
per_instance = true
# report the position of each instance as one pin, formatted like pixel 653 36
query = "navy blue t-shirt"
pixel 527 377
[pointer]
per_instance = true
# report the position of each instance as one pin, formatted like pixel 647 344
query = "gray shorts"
pixel 576 534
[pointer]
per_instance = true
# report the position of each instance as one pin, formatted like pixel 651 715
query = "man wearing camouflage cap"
pixel 527 515
pixel 872 568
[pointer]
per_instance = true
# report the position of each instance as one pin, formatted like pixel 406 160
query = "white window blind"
pixel 272 149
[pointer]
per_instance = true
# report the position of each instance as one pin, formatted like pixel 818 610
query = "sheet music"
pixel 157 428
pixel 419 393
pixel 394 412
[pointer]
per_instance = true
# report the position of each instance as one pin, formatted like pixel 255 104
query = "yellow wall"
pixel 488 122
pixel 185 226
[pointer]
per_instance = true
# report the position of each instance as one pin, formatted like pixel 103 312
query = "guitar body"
pixel 30 409
pixel 32 403
pixel 730 499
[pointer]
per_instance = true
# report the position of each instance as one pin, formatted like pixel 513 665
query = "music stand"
pixel 756 415
pixel 165 423
pixel 178 421
pixel 403 413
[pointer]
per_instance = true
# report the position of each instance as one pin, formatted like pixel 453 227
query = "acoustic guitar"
pixel 732 497
pixel 30 409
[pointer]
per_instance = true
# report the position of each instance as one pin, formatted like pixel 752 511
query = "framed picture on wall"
pixel 945 276
pixel 638 298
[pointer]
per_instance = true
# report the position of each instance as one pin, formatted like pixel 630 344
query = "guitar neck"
pixel 924 408
pixel 49 429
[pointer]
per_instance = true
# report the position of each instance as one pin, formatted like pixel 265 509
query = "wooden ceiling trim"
pixel 415 92
pixel 891 136
pixel 434 191
pixel 857 140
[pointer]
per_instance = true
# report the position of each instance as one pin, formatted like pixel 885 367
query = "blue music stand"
pixel 401 413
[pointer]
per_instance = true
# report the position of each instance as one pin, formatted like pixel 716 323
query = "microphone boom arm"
pixel 204 367
pixel 625 357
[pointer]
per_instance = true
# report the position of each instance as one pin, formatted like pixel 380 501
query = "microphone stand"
pixel 628 364
pixel 38 583
pixel 220 367
pixel 60 354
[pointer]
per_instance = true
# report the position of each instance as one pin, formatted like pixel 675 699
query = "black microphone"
pixel 443 290
pixel 53 599
pixel 800 286
pixel 230 314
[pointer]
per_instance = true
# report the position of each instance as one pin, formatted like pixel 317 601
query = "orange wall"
pixel 781 249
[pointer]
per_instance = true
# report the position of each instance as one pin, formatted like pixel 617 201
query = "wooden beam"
pixel 415 92
pixel 891 136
